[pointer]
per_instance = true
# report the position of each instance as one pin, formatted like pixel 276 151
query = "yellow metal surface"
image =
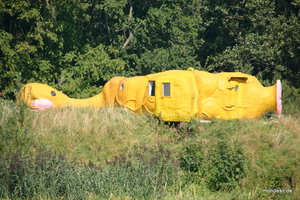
pixel 174 95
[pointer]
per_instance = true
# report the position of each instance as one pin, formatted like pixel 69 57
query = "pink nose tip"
pixel 278 97
pixel 41 104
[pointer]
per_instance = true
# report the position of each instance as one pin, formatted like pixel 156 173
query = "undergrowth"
pixel 114 154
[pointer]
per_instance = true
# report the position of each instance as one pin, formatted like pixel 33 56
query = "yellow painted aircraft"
pixel 174 95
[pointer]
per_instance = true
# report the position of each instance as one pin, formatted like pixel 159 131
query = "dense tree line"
pixel 77 45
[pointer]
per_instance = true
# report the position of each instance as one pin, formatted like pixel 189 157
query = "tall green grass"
pixel 114 154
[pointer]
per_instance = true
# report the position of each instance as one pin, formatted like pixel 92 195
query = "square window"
pixel 151 88
pixel 166 90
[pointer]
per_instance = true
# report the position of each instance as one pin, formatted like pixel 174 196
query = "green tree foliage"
pixel 262 42
pixel 91 68
pixel 78 45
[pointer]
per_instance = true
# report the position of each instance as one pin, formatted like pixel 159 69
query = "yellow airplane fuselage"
pixel 175 95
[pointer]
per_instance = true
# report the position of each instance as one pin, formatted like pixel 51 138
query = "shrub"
pixel 225 166
pixel 192 162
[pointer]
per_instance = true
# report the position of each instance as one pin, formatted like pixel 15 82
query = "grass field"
pixel 114 154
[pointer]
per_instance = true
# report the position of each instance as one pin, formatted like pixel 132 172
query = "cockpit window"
pixel 53 93
pixel 151 88
pixel 166 92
